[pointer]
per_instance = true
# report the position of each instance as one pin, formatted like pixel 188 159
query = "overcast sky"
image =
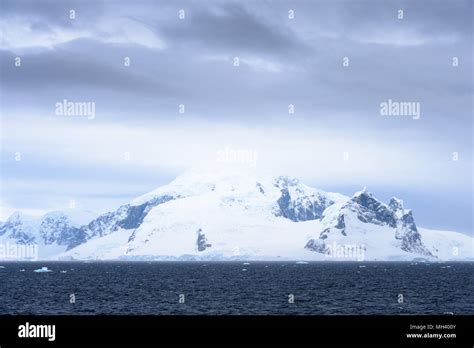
pixel 336 139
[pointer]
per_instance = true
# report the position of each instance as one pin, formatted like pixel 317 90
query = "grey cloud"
pixel 60 68
pixel 350 19
pixel 234 30
pixel 312 77
pixel 53 12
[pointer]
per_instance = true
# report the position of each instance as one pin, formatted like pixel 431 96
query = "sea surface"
pixel 258 288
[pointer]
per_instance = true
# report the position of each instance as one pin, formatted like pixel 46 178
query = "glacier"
pixel 235 215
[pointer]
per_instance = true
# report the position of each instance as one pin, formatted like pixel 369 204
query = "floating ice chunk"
pixel 246 263
pixel 42 270
pixel 301 262
pixel 244 269
pixel 22 270
pixel 63 271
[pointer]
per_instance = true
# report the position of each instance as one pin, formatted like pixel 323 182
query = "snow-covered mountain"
pixel 237 215
pixel 50 234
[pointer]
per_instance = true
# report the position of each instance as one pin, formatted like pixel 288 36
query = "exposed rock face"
pixel 127 216
pixel 202 243
pixel 58 229
pixel 317 246
pixel 370 210
pixel 298 205
pixel 406 229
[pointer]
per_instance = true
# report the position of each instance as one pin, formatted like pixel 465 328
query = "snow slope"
pixel 447 245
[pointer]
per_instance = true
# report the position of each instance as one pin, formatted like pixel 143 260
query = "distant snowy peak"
pixel 20 228
pixel 52 228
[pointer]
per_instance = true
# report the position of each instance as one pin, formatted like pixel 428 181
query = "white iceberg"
pixel 42 270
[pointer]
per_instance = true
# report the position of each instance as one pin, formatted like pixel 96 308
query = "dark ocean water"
pixel 224 288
